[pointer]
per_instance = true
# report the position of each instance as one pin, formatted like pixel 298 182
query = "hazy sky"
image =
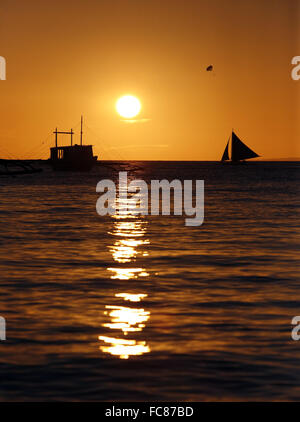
pixel 71 57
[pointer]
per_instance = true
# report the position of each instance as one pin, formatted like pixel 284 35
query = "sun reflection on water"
pixel 126 319
pixel 131 297
pixel 128 273
pixel 123 348
pixel 125 250
pixel 129 242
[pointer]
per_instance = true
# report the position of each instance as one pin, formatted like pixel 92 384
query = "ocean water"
pixel 144 308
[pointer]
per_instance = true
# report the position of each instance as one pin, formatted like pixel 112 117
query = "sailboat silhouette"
pixel 239 151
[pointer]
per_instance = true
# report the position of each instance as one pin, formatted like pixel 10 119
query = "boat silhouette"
pixel 17 167
pixel 239 151
pixel 72 157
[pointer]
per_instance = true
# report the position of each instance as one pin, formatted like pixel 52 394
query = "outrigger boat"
pixel 239 151
pixel 17 167
pixel 72 157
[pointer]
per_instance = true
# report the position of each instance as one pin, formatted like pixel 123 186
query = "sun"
pixel 128 106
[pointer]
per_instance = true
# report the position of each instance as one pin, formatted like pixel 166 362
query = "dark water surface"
pixel 145 308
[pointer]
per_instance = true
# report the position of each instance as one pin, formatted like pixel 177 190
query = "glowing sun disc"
pixel 128 106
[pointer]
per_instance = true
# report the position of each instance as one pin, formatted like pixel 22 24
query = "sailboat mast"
pixel 81 130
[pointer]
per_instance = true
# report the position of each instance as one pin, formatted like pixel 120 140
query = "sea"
pixel 129 307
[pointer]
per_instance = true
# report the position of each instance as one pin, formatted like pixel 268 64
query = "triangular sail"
pixel 225 154
pixel 240 151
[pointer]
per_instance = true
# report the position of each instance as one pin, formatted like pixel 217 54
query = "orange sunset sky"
pixel 66 58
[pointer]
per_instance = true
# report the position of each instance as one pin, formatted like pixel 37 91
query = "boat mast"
pixel 81 130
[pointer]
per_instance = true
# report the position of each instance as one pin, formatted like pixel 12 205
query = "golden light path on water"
pixel 124 348
pixel 128 273
pixel 129 234
pixel 131 297
pixel 126 319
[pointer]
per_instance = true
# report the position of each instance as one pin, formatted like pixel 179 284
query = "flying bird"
pixel 209 68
